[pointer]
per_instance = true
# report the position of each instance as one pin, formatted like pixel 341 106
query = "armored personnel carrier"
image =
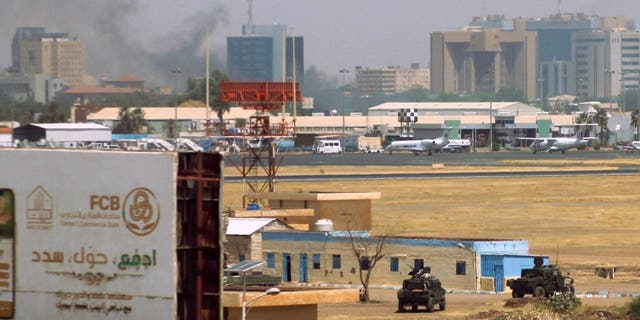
pixel 422 289
pixel 540 281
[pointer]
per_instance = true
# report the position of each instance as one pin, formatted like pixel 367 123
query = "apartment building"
pixel 62 58
pixel 606 62
pixel 391 79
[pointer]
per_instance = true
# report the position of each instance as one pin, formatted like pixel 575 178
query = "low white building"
pixel 62 134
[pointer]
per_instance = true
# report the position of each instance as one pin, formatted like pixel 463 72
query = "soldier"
pixel 568 283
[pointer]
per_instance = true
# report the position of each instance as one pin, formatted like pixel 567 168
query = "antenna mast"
pixel 559 5
pixel 250 13
pixel 484 10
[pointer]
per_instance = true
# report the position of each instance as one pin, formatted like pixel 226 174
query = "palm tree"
pixel 635 122
pixel 130 121
pixel 601 119
pixel 196 91
pixel 584 118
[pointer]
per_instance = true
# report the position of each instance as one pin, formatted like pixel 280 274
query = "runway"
pixel 452 160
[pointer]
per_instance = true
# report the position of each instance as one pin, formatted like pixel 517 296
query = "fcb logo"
pixel 140 211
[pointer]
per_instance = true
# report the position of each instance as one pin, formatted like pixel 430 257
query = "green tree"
pixel 52 114
pixel 635 122
pixel 196 90
pixel 510 94
pixel 130 121
pixel 584 118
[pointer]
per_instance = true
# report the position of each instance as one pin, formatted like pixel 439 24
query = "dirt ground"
pixel 459 306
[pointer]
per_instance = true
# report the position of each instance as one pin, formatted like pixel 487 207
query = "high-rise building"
pixel 557 64
pixel 372 81
pixel 488 60
pixel 265 53
pixel 606 62
pixel 391 79
pixel 36 52
pixel 554 49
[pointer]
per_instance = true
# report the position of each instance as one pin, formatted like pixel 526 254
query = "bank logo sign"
pixel 39 209
pixel 141 211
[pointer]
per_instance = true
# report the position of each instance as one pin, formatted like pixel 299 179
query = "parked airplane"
pixel 457 145
pixel 561 144
pixel 418 146
pixel 634 146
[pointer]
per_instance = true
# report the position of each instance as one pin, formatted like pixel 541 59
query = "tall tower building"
pixel 37 52
pixel 258 54
pixel 606 62
pixel 484 61
pixel 554 50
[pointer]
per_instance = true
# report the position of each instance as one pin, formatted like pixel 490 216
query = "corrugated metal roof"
pixel 247 226
pixel 71 126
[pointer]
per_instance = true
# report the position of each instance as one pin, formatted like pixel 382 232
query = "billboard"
pixel 94 235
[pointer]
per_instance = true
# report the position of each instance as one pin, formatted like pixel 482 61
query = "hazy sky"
pixel 337 33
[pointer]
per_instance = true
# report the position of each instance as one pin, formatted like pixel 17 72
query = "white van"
pixel 327 146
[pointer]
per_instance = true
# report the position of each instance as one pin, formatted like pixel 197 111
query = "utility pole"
pixel 344 74
pixel 491 125
pixel 174 127
pixel 622 90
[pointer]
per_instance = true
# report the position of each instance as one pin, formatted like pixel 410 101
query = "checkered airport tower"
pixel 407 118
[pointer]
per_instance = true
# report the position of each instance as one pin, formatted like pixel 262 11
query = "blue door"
pixel 498 277
pixel 302 275
pixel 286 267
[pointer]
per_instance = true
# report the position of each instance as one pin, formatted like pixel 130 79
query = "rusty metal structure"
pixel 200 236
pixel 259 161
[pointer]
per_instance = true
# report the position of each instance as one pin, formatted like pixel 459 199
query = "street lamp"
pixel 344 74
pixel 475 272
pixel 174 130
pixel 269 292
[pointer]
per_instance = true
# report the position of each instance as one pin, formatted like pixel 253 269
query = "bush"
pixel 563 303
pixel 634 307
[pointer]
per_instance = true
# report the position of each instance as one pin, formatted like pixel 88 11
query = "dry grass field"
pixel 579 221
pixel 591 220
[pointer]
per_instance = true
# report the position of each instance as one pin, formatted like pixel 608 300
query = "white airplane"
pixel 561 144
pixel 634 146
pixel 457 145
pixel 418 146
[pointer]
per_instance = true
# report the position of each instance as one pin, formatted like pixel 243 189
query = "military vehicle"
pixel 540 281
pixel 422 289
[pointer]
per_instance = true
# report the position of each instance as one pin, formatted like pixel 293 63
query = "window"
pixel 364 263
pixel 271 260
pixel 336 261
pixel 241 257
pixel 316 261
pixel 394 265
pixel 461 268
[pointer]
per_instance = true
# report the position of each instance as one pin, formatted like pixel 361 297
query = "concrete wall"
pixel 289 304
pixel 441 257
pixel 347 211
pixel 248 246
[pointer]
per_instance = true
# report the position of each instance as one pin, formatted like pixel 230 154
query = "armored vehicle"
pixel 540 281
pixel 422 289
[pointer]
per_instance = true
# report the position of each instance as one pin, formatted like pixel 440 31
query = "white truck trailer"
pixel 103 235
